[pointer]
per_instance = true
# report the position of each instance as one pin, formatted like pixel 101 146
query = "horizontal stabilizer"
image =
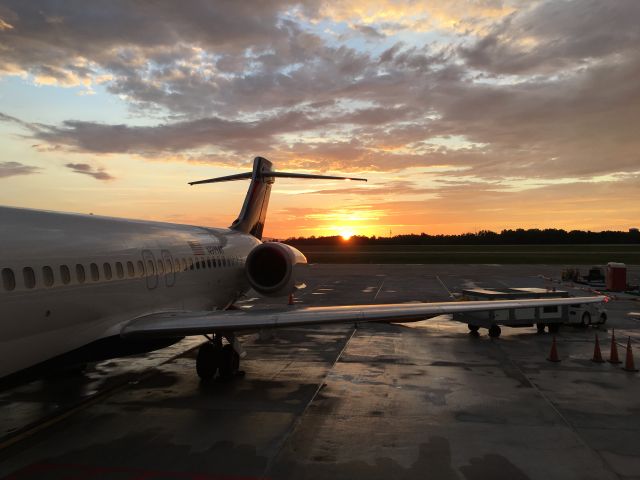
pixel 249 175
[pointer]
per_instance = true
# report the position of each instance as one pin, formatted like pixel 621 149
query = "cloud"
pixel 543 90
pixel 453 15
pixel 369 31
pixel 459 208
pixel 86 169
pixel 393 187
pixel 10 169
pixel 554 36
pixel 4 25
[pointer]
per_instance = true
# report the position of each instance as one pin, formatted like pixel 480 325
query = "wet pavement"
pixel 424 400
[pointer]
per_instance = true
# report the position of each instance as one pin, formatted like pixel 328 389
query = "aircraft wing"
pixel 184 323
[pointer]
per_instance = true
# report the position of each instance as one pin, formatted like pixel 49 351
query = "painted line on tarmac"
pixel 606 465
pixel 298 421
pixel 445 287
pixel 379 288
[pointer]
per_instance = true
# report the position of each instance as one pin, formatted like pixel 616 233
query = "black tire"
pixel 586 320
pixel 229 362
pixel 603 319
pixel 541 327
pixel 207 361
pixel 473 328
pixel 553 328
pixel 494 331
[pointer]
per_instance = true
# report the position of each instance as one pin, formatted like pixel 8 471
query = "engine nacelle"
pixel 271 268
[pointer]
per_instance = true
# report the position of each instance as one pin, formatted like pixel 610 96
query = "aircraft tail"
pixel 254 210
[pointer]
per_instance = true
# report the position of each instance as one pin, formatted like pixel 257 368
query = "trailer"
pixel 549 317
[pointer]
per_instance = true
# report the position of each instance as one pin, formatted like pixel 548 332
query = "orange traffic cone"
pixel 597 354
pixel 290 299
pixel 628 364
pixel 613 356
pixel 553 355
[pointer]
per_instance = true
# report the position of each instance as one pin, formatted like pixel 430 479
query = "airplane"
pixel 70 281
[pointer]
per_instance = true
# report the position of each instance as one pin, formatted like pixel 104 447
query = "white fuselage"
pixel 67 280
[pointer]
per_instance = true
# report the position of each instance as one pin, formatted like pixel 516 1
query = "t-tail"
pixel 254 209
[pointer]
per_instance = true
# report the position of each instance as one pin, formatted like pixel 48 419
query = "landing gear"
pixel 208 360
pixel 229 363
pixel 540 327
pixel 494 331
pixel 473 330
pixel 214 357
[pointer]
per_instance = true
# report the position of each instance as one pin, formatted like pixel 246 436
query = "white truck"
pixel 550 317
pixel 583 315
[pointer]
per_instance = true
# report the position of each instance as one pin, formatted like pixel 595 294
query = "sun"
pixel 346 235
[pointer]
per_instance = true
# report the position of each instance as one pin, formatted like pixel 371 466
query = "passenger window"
pixel 160 267
pixel 169 266
pixel 80 273
pixel 107 270
pixel 191 267
pixel 140 268
pixel 8 279
pixel 29 277
pixel 130 270
pixel 65 274
pixel 209 262
pixel 47 275
pixel 151 268
pixel 198 264
pixel 119 270
pixel 95 273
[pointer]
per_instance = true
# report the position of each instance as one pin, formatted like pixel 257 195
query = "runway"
pixel 424 400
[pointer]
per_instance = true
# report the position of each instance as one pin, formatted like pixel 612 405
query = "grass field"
pixel 525 254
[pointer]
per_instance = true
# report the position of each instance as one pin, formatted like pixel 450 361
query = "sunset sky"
pixel 463 115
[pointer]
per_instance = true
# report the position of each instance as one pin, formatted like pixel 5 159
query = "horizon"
pixel 465 116
pixel 633 231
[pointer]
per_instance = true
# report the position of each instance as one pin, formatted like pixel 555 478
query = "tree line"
pixel 533 236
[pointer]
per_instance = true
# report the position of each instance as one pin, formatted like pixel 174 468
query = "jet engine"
pixel 271 268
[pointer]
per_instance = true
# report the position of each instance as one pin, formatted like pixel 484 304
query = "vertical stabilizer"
pixel 254 209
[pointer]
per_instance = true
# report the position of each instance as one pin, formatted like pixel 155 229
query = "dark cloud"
pixel 10 169
pixel 554 36
pixel 369 31
pixel 86 169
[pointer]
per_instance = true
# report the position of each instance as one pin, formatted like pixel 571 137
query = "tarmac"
pixel 423 400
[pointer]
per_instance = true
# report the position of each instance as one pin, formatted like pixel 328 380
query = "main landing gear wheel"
pixel 494 331
pixel 586 320
pixel 208 360
pixel 229 363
